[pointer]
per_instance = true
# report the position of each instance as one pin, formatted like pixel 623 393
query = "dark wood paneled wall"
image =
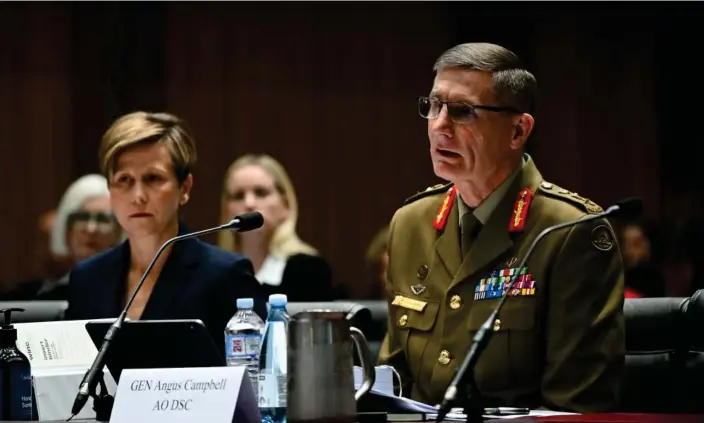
pixel 328 89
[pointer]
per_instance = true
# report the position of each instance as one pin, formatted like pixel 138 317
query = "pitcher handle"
pixel 369 372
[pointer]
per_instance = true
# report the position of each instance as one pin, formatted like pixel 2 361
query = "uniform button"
pixel 546 185
pixel 403 320
pixel 497 325
pixel 444 358
pixel 422 272
pixel 455 302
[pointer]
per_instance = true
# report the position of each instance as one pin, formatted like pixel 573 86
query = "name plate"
pixel 179 395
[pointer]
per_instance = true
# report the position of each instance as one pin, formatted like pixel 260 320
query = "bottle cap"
pixel 8 333
pixel 278 300
pixel 245 303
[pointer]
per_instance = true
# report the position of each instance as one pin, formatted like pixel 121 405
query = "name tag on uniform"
pixel 409 303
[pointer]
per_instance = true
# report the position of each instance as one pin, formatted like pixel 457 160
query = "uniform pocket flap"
pixel 514 315
pixel 414 319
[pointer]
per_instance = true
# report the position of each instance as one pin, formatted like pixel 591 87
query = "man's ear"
pixel 523 127
pixel 186 189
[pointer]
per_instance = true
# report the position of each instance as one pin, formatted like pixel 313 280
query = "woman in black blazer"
pixel 284 264
pixel 147 159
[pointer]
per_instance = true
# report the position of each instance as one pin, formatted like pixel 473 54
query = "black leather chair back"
pixel 35 311
pixel 376 332
pixel 664 355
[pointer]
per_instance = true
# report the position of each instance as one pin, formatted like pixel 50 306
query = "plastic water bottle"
pixel 243 335
pixel 272 362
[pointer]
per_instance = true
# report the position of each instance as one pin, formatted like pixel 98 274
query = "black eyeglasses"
pixel 102 222
pixel 458 111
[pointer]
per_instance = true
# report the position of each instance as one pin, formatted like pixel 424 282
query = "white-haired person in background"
pixel 84 226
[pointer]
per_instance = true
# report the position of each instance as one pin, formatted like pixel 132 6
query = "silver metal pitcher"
pixel 320 367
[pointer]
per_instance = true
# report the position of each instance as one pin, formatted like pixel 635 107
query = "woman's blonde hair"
pixel 285 241
pixel 140 128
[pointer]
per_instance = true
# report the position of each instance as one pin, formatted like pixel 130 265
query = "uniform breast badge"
pixel 496 283
pixel 418 289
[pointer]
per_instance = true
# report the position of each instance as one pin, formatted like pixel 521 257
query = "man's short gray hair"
pixel 513 85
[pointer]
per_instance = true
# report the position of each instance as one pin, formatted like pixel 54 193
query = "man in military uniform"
pixel 559 339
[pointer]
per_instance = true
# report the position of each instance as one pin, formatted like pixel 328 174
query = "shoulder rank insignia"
pixel 520 210
pixel 435 189
pixel 572 197
pixel 444 210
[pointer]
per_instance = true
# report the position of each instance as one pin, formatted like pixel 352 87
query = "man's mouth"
pixel 447 153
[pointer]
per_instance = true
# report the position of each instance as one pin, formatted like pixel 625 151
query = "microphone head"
pixel 629 208
pixel 248 221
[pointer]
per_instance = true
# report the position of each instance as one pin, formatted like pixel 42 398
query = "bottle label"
pixel 21 391
pixel 272 390
pixel 242 345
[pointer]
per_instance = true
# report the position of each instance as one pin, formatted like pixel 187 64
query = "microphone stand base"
pixel 474 414
pixel 473 407
pixel 103 407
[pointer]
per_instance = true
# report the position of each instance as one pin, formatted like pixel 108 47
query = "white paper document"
pixel 456 415
pixel 55 345
pixel 384 379
pixel 59 354
pixel 536 413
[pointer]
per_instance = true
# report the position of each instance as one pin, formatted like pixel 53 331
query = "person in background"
pixel 640 251
pixel 148 160
pixel 284 264
pixel 377 261
pixel 83 226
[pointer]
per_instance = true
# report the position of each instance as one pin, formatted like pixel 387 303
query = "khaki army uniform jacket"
pixel 559 340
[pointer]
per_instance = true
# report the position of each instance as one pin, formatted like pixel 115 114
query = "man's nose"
pixel 442 123
pixel 443 119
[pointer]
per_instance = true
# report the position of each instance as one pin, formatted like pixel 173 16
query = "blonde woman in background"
pixel 283 263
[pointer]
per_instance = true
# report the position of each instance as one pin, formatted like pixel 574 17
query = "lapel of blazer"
pixel 176 274
pixel 107 291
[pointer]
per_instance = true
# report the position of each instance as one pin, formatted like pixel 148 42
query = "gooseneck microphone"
pixel 627 208
pixel 242 223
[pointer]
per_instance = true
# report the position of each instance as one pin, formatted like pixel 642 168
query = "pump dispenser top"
pixel 8 333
